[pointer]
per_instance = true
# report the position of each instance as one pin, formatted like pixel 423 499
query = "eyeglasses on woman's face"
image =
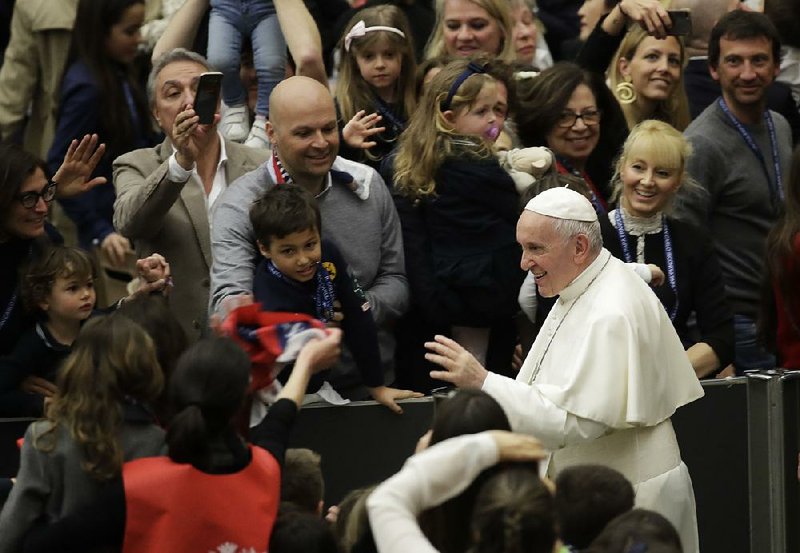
pixel 30 199
pixel 568 118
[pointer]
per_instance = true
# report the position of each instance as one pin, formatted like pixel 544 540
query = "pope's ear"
pixel 581 247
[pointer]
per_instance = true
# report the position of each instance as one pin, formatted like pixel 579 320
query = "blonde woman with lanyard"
pixel 650 171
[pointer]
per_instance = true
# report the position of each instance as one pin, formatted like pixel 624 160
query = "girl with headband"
pixel 375 89
pixel 458 210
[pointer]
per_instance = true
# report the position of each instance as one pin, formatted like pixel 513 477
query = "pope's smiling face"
pixel 546 254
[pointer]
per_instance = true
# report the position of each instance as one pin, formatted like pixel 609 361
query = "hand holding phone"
pixel 681 22
pixel 207 98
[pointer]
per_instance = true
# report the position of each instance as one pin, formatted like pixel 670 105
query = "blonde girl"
pixel 466 28
pixel 98 418
pixel 652 72
pixel 376 77
pixel 458 209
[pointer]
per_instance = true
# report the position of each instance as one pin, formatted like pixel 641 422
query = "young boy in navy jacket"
pixel 301 273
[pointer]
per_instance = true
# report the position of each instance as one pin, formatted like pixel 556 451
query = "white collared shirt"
pixel 220 182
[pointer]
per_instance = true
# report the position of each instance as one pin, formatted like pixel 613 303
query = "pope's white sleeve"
pixel 530 412
pixel 527 297
pixel 427 479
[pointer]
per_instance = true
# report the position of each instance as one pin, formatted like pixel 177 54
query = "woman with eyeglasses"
pixel 571 111
pixel 25 196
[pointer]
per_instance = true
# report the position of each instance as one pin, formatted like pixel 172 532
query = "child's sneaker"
pixel 235 123
pixel 258 134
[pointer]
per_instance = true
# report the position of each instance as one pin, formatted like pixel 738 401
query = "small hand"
pixel 154 275
pixel 517 447
pixel 38 385
pixel 332 515
pixel 228 304
pixel 388 396
pixel 116 248
pixel 360 128
pixel 424 441
pixel 516 358
pixel 337 316
pixel 460 366
pixel 321 354
pixel 657 277
pixel 79 163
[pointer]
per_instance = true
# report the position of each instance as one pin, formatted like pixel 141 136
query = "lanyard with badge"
pixel 668 255
pixel 776 186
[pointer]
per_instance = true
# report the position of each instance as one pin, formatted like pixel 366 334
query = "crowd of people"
pixel 571 212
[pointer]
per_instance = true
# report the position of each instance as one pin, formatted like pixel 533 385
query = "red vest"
pixel 175 508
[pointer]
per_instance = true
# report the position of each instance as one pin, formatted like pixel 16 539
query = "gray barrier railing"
pixel 740 442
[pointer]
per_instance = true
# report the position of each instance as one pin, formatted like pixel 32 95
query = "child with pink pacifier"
pixel 459 210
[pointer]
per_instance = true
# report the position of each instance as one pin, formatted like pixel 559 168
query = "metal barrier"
pixel 774 412
pixel 740 442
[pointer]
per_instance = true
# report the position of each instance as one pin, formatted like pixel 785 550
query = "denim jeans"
pixel 230 21
pixel 749 353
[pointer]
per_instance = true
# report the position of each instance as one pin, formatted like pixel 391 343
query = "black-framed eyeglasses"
pixel 589 117
pixel 30 199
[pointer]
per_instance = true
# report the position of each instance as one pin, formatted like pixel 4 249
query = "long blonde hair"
pixel 353 93
pixel 674 110
pixel 428 140
pixel 112 361
pixel 497 9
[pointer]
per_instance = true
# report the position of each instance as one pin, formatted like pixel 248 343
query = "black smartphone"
pixel 681 22
pixel 207 98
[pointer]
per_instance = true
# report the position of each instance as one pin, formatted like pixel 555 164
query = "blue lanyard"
pixel 598 205
pixel 324 295
pixel 668 255
pixel 775 188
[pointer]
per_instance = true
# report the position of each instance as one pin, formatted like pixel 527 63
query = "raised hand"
pixel 80 161
pixel 460 366
pixel 360 128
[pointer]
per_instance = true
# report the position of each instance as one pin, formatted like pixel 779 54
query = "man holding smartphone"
pixel 165 194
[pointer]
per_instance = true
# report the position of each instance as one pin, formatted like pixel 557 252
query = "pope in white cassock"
pixel 607 370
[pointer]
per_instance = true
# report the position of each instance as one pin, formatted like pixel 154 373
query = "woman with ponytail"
pixel 180 502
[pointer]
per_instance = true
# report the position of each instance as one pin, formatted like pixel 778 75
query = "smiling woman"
pixel 469 27
pixel 650 171
pixel 654 68
pixel 572 112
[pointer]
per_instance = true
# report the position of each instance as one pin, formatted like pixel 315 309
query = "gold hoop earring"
pixel 625 92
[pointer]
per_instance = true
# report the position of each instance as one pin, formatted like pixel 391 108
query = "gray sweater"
pixel 51 484
pixel 738 210
pixel 359 218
